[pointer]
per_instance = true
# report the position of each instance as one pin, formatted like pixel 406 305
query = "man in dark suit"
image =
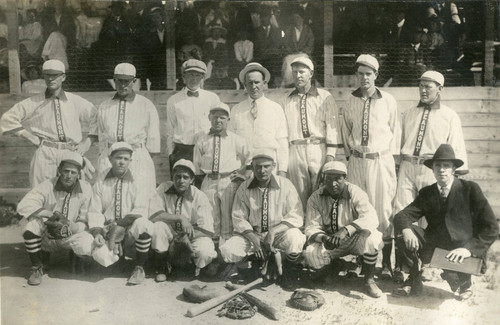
pixel 460 220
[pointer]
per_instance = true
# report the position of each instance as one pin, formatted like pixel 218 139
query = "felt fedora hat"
pixel 444 152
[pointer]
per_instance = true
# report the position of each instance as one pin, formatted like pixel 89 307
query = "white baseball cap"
pixel 194 65
pixel 368 60
pixel 125 70
pixel 304 61
pixel 185 163
pixel 335 167
pixel 118 146
pixel 72 157
pixel 53 66
pixel 221 107
pixel 433 76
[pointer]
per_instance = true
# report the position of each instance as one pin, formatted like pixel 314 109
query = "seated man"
pixel 180 210
pixel 118 202
pixel 267 214
pixel 341 221
pixel 460 220
pixel 220 158
pixel 56 209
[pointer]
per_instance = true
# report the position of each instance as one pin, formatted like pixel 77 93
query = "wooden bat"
pixel 263 307
pixel 209 304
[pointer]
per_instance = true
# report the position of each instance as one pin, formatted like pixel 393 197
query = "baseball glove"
pixel 115 235
pixel 195 293
pixel 58 226
pixel 306 299
pixel 180 251
pixel 237 308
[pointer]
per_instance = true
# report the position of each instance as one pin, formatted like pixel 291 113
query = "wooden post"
pixel 489 48
pixel 170 46
pixel 328 46
pixel 13 46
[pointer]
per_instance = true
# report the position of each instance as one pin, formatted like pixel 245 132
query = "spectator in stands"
pixel 55 48
pixel 215 47
pixel 299 37
pixel 30 37
pixel 399 32
pixel 57 18
pixel 33 83
pixel 243 50
pixel 154 47
pixel 435 42
pixel 219 79
pixel 189 49
pixel 413 60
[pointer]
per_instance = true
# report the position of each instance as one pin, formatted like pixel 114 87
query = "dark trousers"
pixel 426 245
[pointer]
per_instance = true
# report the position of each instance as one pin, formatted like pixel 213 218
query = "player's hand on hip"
pixel 458 255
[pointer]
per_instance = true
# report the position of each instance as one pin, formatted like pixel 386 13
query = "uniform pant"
pixel 238 247
pixel 411 179
pixel 203 247
pixel 304 164
pixel 377 177
pixel 317 256
pixel 44 164
pixel 141 166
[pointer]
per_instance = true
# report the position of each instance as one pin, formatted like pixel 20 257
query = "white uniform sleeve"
pixel 33 203
pixel 314 221
pixel 96 211
pixel 241 211
pixel 154 139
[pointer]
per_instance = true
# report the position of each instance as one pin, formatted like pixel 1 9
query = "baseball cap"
pixel 53 66
pixel 194 65
pixel 124 70
pixel 368 60
pixel 118 146
pixel 433 76
pixel 335 167
pixel 73 158
pixel 265 153
pixel 185 163
pixel 221 107
pixel 304 61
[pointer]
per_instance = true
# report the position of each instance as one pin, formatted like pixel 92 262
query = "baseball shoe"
pixel 386 273
pixel 36 275
pixel 137 276
pixel 372 289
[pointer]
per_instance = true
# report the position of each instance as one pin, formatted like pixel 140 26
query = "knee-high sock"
pixel 369 261
pixel 33 244
pixel 386 252
pixel 142 245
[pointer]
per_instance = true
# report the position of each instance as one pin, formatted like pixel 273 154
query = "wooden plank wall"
pixel 479 110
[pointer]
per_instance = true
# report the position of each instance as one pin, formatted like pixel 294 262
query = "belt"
pixel 214 176
pixel 134 146
pixel 368 155
pixel 58 145
pixel 308 141
pixel 415 160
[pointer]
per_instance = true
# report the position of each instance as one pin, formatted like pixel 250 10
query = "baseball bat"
pixel 263 307
pixel 209 304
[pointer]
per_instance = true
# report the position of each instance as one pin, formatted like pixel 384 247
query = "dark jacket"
pixel 467 219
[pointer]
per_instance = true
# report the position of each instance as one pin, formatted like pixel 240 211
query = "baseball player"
pixel 187 112
pixel 267 214
pixel 132 118
pixel 119 201
pixel 260 120
pixel 63 200
pixel 336 213
pixel 371 135
pixel 425 127
pixel 220 156
pixel 52 121
pixel 313 130
pixel 180 209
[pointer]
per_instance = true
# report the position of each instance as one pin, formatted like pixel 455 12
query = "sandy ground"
pixel 63 298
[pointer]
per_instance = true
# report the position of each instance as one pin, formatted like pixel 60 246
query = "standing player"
pixel 371 134
pixel 313 128
pixel 52 121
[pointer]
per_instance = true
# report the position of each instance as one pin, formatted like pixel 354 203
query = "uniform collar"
pixel 77 188
pixel 126 177
pixel 188 194
pixel 129 98
pixel 434 105
pixel 313 91
pixel 62 95
pixel 345 193
pixel 377 94
pixel 273 183
pixel 222 133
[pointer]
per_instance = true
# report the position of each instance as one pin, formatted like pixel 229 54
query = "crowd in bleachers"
pixel 91 37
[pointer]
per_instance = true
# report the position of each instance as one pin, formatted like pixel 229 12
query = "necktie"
pixel 365 122
pixel 443 193
pixel 265 210
pixel 253 109
pixel 118 199
pixel 121 120
pixel 59 124
pixel 421 130
pixel 192 93
pixel 334 220
pixel 178 211
pixel 65 207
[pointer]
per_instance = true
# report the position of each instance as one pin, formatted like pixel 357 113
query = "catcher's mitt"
pixel 195 293
pixel 306 299
pixel 180 251
pixel 237 308
pixel 58 226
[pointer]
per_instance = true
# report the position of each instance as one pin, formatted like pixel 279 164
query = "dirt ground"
pixel 104 299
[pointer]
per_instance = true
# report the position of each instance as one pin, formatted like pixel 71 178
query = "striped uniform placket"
pixel 59 124
pixel 334 220
pixel 365 122
pixel 215 164
pixel 421 130
pixel 265 210
pixel 121 120
pixel 303 117
pixel 65 207
pixel 118 199
pixel 178 211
